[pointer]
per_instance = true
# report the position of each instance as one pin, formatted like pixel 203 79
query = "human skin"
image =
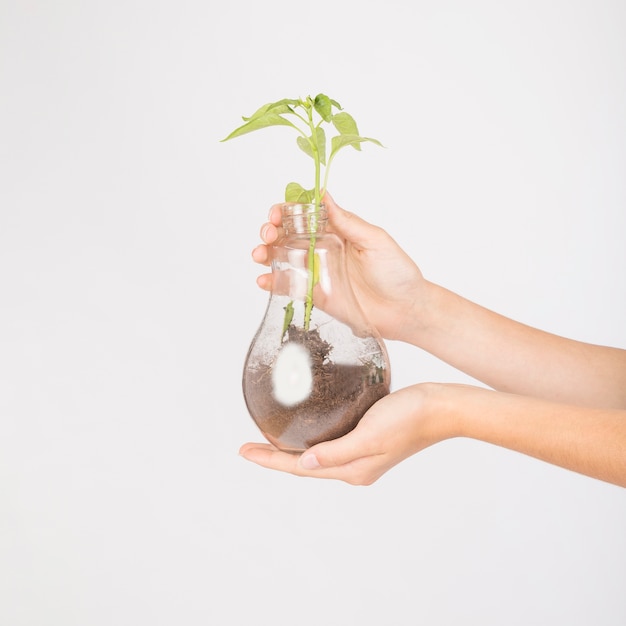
pixel 553 398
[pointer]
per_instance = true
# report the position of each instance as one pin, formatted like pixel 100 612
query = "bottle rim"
pixel 304 218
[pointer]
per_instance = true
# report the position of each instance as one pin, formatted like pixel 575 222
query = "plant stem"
pixel 308 307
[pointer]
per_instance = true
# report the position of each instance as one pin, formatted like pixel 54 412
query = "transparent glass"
pixel 315 364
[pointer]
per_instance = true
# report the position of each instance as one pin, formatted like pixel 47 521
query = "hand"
pixel 396 427
pixel 387 283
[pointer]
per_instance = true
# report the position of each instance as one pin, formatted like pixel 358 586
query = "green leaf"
pixel 341 141
pixel 307 145
pixel 345 124
pixel 323 106
pixel 321 144
pixel 297 193
pixel 281 106
pixel 268 119
pixel 288 317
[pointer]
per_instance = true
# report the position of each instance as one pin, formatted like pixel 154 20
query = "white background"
pixel 127 303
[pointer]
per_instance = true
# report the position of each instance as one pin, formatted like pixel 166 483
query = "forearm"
pixel 512 357
pixel 585 440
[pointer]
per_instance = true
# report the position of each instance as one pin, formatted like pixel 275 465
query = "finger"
pixel 261 255
pixel 275 216
pixel 352 466
pixel 269 233
pixel 265 281
pixel 267 455
pixel 339 452
pixel 360 471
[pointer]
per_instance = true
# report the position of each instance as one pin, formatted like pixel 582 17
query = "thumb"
pixel 349 226
pixel 335 453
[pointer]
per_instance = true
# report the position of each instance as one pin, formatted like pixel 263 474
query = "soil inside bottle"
pixel 340 395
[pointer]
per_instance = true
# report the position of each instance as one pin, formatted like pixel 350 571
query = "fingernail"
pixel 309 461
pixel 264 231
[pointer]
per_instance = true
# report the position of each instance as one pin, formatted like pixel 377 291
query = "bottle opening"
pixel 304 218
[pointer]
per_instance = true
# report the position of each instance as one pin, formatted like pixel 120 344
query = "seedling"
pixel 308 117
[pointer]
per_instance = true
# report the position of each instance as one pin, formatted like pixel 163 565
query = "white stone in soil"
pixel 292 378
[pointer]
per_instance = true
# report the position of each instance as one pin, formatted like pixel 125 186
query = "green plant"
pixel 307 117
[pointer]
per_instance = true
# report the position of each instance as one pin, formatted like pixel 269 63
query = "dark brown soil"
pixel 340 396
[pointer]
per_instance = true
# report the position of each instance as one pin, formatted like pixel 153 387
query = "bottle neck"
pixel 304 219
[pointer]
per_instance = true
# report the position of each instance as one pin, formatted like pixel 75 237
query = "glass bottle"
pixel 315 364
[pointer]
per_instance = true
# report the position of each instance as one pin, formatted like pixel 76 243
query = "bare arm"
pixel 585 440
pixel 510 356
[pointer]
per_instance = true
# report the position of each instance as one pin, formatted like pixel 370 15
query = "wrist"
pixel 440 415
pixel 424 301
